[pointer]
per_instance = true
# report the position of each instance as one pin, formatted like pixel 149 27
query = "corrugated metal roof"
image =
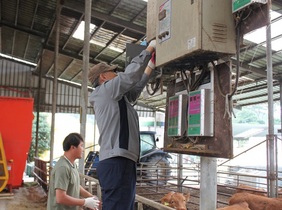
pixel 28 33
pixel 17 80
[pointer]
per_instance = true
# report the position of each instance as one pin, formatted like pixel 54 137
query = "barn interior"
pixel 43 56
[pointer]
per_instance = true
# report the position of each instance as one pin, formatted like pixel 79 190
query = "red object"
pixel 16 115
pixel 153 58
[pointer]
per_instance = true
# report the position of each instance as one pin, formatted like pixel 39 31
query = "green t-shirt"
pixel 64 176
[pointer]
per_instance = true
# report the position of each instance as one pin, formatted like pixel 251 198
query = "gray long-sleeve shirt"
pixel 117 120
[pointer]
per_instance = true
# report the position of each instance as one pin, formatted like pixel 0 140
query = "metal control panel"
pixel 177 115
pixel 164 17
pixel 199 112
pixel 240 4
pixel 193 29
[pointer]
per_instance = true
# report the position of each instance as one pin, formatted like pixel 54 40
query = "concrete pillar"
pixel 208 183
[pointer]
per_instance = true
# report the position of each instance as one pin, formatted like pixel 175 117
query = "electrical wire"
pixel 155 86
pixel 237 63
pixel 228 97
pixel 187 87
pixel 196 84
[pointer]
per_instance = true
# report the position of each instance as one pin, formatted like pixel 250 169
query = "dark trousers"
pixel 117 177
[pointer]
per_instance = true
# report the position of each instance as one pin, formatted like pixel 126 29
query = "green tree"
pixel 246 116
pixel 43 136
pixel 256 114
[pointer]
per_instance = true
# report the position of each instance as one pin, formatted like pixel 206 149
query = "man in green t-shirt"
pixel 65 191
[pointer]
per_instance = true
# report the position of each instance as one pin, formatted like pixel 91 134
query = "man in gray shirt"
pixel 118 126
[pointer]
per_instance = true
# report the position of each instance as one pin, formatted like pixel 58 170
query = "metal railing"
pixel 93 186
pixel 41 172
pixel 152 181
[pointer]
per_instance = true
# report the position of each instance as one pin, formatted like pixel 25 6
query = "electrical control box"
pixel 151 20
pixel 200 113
pixel 177 115
pixel 240 4
pixel 192 30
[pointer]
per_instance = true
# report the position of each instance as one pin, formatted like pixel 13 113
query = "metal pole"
pixel 279 130
pixel 84 89
pixel 55 80
pixel 179 172
pixel 155 121
pixel 280 86
pixel 38 107
pixel 270 137
pixel 276 166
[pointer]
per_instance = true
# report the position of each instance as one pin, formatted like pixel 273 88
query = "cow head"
pixel 176 200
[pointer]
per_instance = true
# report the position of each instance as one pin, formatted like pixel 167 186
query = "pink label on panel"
pixel 195 104
pixel 173 108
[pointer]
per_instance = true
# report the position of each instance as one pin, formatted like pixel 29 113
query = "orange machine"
pixel 16 115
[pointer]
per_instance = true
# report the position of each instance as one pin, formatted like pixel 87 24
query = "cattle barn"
pixel 213 62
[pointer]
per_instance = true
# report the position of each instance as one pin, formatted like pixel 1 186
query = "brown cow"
pixel 176 200
pixel 248 189
pixel 279 193
pixel 237 206
pixel 257 202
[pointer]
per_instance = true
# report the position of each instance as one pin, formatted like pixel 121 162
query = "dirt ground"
pixel 29 197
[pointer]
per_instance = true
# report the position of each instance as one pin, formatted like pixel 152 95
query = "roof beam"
pixel 276 5
pixel 109 43
pixel 79 7
pixel 69 54
pixel 23 29
pixel 247 67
